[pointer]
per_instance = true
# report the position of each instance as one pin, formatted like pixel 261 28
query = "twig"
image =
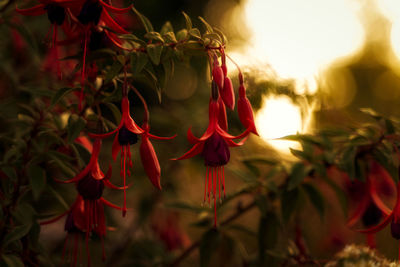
pixel 240 211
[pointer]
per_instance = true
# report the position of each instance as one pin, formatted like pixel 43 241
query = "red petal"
pixel 54 219
pixel 108 203
pixel 116 147
pixel 246 116
pixel 192 139
pixel 150 162
pixel 222 119
pixel 227 93
pixel 33 11
pixel 375 198
pixel 378 227
pixel 110 22
pixel 359 211
pixel 114 9
pixel 196 149
pixel 218 75
pixel 152 136
pixel 105 135
pixel 112 186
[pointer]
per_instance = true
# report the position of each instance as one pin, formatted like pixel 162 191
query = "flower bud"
pixel 246 116
pixel 218 75
pixel 222 119
pixel 150 162
pixel 228 94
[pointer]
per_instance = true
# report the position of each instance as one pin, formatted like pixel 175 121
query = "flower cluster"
pixel 214 144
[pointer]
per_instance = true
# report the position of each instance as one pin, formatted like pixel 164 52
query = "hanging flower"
pixel 149 157
pixel 86 215
pixel 370 208
pixel 56 13
pixel 126 135
pixel 214 147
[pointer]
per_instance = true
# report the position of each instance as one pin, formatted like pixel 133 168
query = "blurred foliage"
pixel 260 221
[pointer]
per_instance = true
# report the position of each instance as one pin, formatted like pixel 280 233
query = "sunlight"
pixel 391 9
pixel 277 118
pixel 297 39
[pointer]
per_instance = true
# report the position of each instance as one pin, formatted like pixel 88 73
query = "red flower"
pixel 149 157
pixel 245 111
pixel 214 147
pixel 370 207
pixel 126 135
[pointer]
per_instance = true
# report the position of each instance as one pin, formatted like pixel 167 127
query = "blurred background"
pixel 307 64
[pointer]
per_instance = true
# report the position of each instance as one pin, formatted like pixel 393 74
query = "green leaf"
pixel 268 229
pixel 138 61
pixel 154 36
pixel 61 93
pixel 212 37
pixel 208 245
pixel 372 113
pixel 182 35
pixel 221 34
pixel 195 33
pixel 315 197
pixel 341 196
pixel 167 27
pixel 12 260
pixel 114 110
pixel 347 161
pixel 151 77
pixel 154 51
pixel 168 66
pixel 289 201
pixel 388 160
pixel 15 234
pixel 169 37
pixel 113 71
pixel 75 125
pixel 37 179
pixel 208 27
pixel 297 174
pixel 145 21
pixel 188 21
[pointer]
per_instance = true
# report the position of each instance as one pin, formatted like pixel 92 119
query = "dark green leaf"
pixel 208 245
pixel 169 37
pixel 37 179
pixel 297 174
pixel 315 197
pixel 341 196
pixel 61 93
pixel 12 260
pixel 114 110
pixel 16 233
pixel 113 71
pixel 268 229
pixel 289 201
pixel 138 61
pixel 145 21
pixel 154 51
pixel 75 125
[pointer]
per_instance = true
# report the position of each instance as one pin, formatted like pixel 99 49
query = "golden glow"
pixel 277 118
pixel 391 9
pixel 297 39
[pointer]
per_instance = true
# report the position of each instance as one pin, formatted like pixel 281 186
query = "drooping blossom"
pixel 370 207
pixel 148 156
pixel 226 92
pixel 125 136
pixel 245 110
pixel 214 145
pixel 86 215
pixel 56 13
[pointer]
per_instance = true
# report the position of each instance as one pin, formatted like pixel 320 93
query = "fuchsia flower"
pixel 127 134
pixel 149 157
pixel 214 147
pixel 370 208
pixel 245 109
pixel 86 215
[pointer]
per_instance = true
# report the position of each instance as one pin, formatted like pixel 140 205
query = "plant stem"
pixel 239 212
